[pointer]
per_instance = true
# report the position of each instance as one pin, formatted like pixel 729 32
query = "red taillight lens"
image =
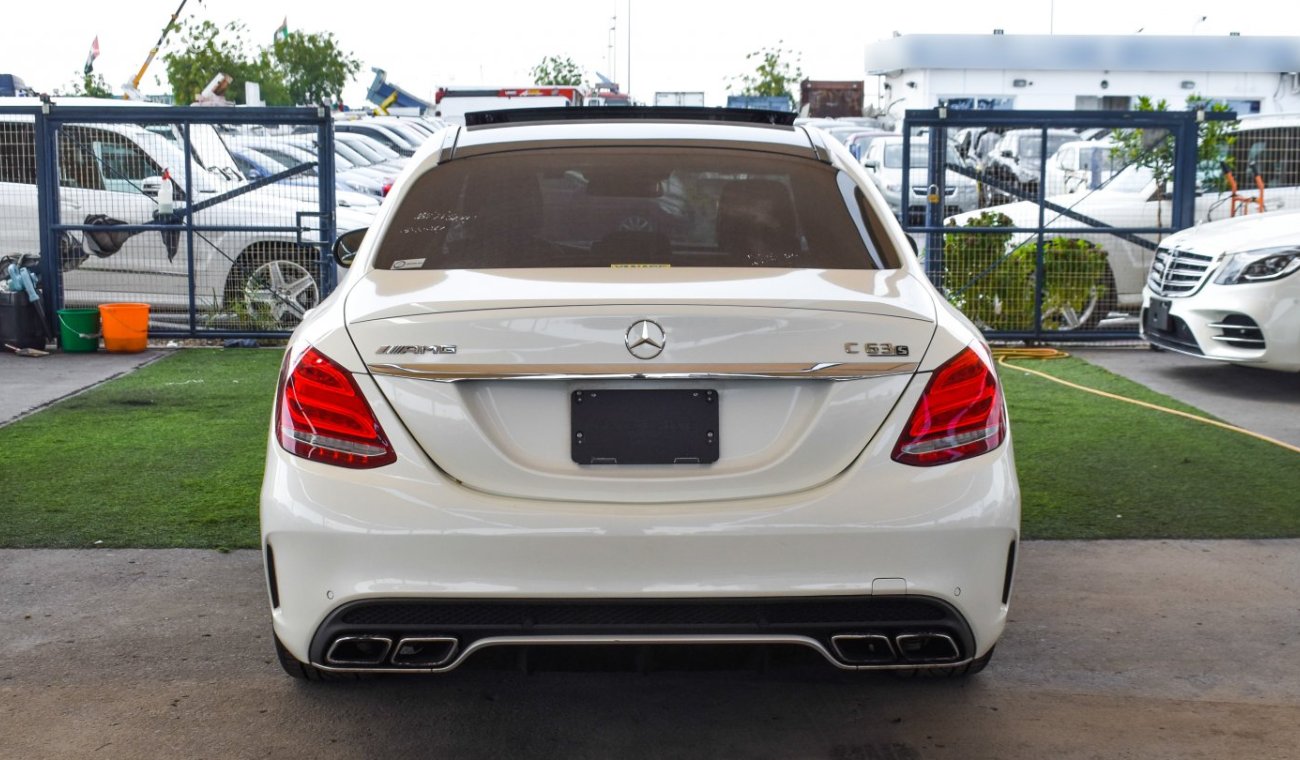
pixel 960 414
pixel 322 416
pixel 386 187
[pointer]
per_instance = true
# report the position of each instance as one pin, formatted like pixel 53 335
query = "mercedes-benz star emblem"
pixel 645 339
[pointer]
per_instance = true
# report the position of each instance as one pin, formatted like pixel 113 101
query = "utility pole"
pixel 629 49
pixel 612 55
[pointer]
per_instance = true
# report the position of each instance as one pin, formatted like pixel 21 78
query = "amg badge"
pixel 418 350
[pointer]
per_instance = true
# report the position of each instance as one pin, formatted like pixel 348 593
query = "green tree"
pixel 89 85
pixel 554 70
pixel 207 50
pixel 1154 149
pixel 776 73
pixel 312 66
pixel 298 68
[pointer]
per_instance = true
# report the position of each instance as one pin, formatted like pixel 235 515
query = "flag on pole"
pixel 283 32
pixel 94 53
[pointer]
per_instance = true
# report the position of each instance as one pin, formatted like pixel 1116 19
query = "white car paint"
pixel 1214 307
pixel 481 503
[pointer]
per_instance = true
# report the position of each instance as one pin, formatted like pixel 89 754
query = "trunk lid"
pixel 484 367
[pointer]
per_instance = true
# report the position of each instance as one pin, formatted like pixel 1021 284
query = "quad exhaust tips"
pixel 373 651
pixel 359 650
pixel 877 649
pixel 425 652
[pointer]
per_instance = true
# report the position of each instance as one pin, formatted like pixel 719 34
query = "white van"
pixel 111 174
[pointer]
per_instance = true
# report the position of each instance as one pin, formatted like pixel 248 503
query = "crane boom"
pixel 134 86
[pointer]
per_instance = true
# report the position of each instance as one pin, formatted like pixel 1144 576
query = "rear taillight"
pixel 388 185
pixel 322 416
pixel 960 414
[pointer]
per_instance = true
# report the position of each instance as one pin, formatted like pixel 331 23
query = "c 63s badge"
pixel 416 350
pixel 876 349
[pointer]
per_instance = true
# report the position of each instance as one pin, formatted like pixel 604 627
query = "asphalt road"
pixel 1178 649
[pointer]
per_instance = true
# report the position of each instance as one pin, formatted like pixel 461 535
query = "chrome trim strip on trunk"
pixel 666 640
pixel 453 373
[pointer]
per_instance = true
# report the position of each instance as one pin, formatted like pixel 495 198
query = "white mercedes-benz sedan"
pixel 638 379
pixel 1226 291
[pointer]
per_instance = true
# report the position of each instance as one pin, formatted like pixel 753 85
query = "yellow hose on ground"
pixel 1005 354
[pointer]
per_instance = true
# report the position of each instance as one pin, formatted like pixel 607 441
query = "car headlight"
pixel 893 188
pixel 1259 266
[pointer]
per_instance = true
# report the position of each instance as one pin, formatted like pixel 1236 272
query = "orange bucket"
pixel 125 326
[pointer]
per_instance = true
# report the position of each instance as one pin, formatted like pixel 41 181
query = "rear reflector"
pixel 960 414
pixel 321 415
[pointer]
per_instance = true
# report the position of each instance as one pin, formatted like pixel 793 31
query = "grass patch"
pixel 172 455
pixel 1097 468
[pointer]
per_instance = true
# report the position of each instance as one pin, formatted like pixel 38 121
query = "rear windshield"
pixel 629 207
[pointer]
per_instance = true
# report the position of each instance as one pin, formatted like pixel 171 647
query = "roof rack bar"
pixel 477 119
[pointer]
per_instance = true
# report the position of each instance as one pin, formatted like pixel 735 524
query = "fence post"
pixel 935 186
pixel 325 173
pixel 1186 147
pixel 47 215
pixel 189 229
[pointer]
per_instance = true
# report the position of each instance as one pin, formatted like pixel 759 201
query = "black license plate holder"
pixel 665 426
pixel 1158 315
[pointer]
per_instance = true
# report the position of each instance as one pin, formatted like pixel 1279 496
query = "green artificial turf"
pixel 1092 467
pixel 172 455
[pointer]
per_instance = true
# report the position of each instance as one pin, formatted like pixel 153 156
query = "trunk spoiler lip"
pixel 832 371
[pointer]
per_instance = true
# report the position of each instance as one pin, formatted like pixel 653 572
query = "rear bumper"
pixel 339 539
pixel 850 632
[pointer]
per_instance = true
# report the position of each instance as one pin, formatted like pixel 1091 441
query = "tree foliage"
pixel 554 70
pixel 777 73
pixel 299 68
pixel 1154 149
pixel 313 66
pixel 90 85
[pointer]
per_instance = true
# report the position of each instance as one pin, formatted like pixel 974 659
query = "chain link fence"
pixel 1045 225
pixel 220 219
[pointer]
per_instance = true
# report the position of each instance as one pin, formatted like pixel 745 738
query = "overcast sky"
pixel 673 44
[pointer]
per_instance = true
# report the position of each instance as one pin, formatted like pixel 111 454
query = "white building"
pixel 1250 74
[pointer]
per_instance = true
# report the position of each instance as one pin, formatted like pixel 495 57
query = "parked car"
pixel 1017 161
pixel 1081 165
pixel 1228 291
pixel 884 163
pixel 114 172
pixel 304 187
pixel 766 430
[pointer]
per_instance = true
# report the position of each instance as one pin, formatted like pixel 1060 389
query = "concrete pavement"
pixel 1116 649
pixel 29 384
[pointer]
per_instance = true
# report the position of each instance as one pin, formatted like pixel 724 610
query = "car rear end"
pixel 637 383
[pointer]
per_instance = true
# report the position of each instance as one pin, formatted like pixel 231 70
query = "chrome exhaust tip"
pixel 863 648
pixel 359 650
pixel 425 651
pixel 927 647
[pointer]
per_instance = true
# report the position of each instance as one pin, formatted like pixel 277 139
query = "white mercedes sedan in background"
pixel 1228 291
pixel 639 380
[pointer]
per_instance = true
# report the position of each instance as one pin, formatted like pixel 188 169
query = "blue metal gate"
pixel 1041 225
pixel 183 209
